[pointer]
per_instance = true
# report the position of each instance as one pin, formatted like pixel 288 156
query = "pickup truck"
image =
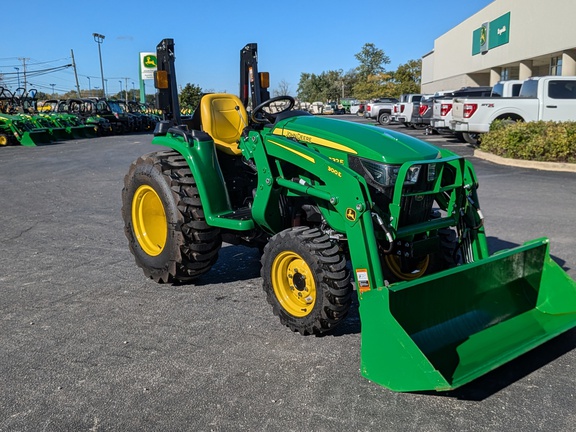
pixel 442 108
pixel 422 117
pixel 380 110
pixel 549 98
pixel 404 109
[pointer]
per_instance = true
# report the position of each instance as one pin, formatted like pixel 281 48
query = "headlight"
pixel 386 175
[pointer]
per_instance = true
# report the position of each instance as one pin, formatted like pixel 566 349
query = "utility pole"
pixel 75 74
pixel 18 73
pixel 126 87
pixel 24 60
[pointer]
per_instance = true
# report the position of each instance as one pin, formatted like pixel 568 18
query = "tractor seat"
pixel 223 118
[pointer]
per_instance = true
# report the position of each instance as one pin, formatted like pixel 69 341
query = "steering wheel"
pixel 258 114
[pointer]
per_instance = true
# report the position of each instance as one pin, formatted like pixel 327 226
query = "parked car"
pixel 347 103
pixel 357 108
pixel 328 108
pixel 551 98
pixel 316 108
pixel 408 103
pixel 380 110
pixel 422 117
pixel 442 108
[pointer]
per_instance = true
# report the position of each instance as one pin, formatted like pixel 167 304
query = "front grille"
pixel 415 209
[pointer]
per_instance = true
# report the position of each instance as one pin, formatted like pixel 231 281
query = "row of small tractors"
pixel 26 121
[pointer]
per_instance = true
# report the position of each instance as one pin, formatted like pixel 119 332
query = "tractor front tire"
pixel 306 280
pixel 164 220
pixel 445 258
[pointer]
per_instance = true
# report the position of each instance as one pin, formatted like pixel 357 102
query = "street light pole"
pixel 120 81
pixel 89 86
pixel 52 85
pixel 98 38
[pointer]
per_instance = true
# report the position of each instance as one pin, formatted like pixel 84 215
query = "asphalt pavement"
pixel 87 343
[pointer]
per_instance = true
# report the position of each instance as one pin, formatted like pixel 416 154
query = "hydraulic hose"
pixel 389 236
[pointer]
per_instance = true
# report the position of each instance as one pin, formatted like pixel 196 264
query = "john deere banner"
pixel 491 35
pixel 147 65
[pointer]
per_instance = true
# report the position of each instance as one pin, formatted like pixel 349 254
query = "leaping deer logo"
pixel 150 61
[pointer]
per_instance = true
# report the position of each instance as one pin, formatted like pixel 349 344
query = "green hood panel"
pixel 370 142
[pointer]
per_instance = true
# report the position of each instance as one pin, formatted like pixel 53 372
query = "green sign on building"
pixel 491 35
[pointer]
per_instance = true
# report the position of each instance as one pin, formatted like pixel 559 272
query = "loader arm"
pixel 341 194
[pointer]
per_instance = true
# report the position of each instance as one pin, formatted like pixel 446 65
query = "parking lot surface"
pixel 87 343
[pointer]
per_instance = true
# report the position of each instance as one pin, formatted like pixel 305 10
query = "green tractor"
pixel 333 206
pixel 18 129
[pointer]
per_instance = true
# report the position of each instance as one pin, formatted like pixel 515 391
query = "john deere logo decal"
pixel 150 61
pixel 483 35
pixel 351 214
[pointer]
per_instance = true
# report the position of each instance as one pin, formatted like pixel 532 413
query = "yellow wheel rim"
pixel 293 284
pixel 149 220
pixel 3 140
pixel 393 263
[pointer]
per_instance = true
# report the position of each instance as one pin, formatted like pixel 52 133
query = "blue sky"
pixel 293 37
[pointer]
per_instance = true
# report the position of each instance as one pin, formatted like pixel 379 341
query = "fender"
pixel 199 151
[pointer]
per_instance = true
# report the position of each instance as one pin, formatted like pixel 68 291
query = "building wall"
pixel 538 31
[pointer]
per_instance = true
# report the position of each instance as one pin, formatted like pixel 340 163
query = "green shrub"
pixel 539 141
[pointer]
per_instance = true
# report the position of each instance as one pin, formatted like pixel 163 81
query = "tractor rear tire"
pixel 164 220
pixel 306 280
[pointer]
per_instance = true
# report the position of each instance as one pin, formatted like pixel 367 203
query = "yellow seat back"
pixel 223 121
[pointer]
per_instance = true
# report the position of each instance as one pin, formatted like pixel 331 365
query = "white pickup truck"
pixel 541 98
pixel 442 107
pixel 403 110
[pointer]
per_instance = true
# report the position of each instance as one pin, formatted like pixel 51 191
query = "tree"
pixel 43 96
pixel 309 87
pixel 408 77
pixel 372 80
pixel 372 61
pixel 349 80
pixel 190 96
pixel 282 90
pixel 374 86
pixel 324 87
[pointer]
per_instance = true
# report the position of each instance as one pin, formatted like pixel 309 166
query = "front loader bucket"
pixel 35 137
pixel 447 329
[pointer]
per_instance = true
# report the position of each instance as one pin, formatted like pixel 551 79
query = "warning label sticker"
pixel 363 281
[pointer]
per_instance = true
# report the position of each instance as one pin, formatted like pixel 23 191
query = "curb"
pixel 545 166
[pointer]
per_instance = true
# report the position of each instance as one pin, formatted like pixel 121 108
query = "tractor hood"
pixel 366 141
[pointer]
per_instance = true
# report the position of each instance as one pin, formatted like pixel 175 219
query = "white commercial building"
pixel 505 40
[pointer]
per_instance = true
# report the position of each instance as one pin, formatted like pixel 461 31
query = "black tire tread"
pixel 198 242
pixel 334 291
